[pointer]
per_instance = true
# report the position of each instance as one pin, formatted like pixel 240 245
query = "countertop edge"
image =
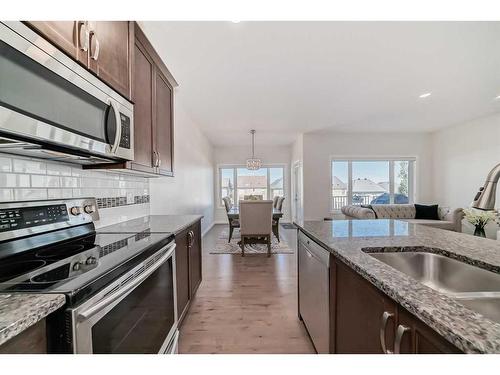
pixel 182 227
pixel 32 309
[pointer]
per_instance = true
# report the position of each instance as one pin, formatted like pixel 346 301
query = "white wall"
pixel 191 190
pixel 238 155
pixel 318 148
pixel 463 156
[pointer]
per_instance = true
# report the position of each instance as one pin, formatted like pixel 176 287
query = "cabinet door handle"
pixel 83 27
pixel 192 238
pixel 383 325
pixel 159 159
pixel 95 54
pixel 155 159
pixel 402 329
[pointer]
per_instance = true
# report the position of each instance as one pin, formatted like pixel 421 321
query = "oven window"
pixel 30 88
pixel 141 322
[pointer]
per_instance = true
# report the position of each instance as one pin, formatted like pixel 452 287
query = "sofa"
pixel 448 219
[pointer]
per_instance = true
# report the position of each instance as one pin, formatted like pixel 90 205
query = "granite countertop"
pixel 20 311
pixel 467 330
pixel 154 224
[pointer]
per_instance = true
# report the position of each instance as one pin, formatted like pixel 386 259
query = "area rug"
pixel 223 247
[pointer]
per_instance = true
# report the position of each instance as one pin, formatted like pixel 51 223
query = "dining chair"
pixel 275 201
pixel 279 204
pixel 253 197
pixel 256 221
pixel 279 207
pixel 233 223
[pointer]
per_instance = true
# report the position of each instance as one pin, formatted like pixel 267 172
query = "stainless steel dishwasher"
pixel 314 291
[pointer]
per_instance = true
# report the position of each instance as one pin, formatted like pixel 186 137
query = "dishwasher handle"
pixel 315 251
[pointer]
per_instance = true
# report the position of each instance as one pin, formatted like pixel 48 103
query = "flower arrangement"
pixel 479 219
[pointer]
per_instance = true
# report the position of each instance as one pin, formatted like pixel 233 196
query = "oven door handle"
pixel 118 135
pixel 94 309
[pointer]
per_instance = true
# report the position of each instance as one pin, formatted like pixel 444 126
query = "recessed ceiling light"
pixel 426 95
pixel 498 97
pixel 236 21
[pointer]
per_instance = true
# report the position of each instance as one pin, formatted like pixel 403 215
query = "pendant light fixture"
pixel 253 164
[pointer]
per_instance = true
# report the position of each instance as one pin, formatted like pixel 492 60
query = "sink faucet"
pixel 485 197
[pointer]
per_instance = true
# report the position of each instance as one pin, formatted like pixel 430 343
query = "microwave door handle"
pixel 118 135
pixel 113 297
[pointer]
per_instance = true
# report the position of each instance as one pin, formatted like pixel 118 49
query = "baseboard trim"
pixel 208 229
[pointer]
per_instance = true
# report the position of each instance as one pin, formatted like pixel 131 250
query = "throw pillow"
pixel 426 212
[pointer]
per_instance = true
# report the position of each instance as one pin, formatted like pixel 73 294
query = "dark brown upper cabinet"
pixel 153 97
pixel 103 47
pixel 119 53
pixel 163 125
pixel 111 46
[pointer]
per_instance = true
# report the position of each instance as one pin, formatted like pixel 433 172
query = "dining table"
pixel 234 214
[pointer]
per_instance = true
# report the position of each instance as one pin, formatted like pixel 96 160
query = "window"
pixel 238 182
pixel 376 181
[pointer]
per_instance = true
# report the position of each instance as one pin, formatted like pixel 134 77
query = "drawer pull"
pixel 383 325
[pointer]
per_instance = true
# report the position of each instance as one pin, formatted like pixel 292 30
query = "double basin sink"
pixel 472 286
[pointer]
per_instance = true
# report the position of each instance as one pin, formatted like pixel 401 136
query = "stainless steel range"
pixel 120 288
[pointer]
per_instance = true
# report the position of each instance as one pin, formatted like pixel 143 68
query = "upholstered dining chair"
pixel 275 200
pixel 279 207
pixel 279 204
pixel 233 223
pixel 256 219
pixel 253 197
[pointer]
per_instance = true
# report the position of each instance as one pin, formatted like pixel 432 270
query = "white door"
pixel 297 192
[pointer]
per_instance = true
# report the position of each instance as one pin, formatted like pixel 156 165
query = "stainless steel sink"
pixel 473 287
pixel 441 273
pixel 488 307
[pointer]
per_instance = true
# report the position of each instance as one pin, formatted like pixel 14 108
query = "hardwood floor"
pixel 245 305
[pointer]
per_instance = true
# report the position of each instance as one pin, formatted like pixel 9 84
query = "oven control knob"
pixel 77 266
pixel 89 209
pixel 75 210
pixel 91 260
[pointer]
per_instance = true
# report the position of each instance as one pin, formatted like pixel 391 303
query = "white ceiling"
pixel 284 78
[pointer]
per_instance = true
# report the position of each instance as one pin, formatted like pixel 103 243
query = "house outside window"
pixel 239 183
pixel 371 181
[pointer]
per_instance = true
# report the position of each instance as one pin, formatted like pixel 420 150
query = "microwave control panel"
pixel 125 139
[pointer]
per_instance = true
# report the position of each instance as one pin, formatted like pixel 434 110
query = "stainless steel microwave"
pixel 53 108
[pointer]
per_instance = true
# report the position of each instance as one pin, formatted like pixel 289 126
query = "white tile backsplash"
pixel 29 194
pixel 13 180
pixel 44 181
pixel 5 164
pixel 31 179
pixel 58 169
pixel 29 166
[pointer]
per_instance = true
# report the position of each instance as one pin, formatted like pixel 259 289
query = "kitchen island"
pixel 349 244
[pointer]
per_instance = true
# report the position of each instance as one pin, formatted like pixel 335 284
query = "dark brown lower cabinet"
pixel 182 272
pixel 366 321
pixel 188 267
pixel 359 311
pixel 31 341
pixel 195 258
pixel 415 337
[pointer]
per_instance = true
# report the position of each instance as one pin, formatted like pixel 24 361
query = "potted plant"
pixel 479 219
